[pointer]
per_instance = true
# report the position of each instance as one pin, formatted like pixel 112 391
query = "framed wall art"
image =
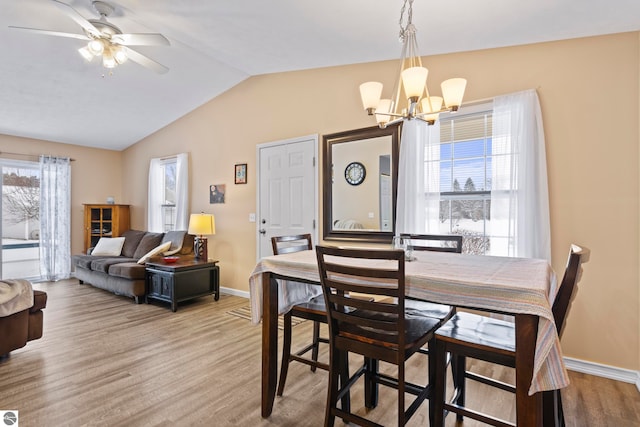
pixel 216 193
pixel 241 173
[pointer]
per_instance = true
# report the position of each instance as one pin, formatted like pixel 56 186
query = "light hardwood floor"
pixel 105 361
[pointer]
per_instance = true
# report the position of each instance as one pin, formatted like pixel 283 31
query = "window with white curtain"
pixel 481 173
pixel 465 177
pixel 168 193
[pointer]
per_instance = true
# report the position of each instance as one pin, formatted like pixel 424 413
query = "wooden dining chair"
pixel 434 242
pixel 313 310
pixel 443 243
pixel 493 340
pixel 376 328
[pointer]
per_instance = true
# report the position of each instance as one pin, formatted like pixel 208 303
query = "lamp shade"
pixel 433 105
pixel 384 106
pixel 453 91
pixel 370 93
pixel 414 80
pixel 202 224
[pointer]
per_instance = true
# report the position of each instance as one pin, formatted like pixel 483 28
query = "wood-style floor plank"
pixel 104 360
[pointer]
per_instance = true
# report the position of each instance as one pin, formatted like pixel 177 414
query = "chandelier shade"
pixel 410 96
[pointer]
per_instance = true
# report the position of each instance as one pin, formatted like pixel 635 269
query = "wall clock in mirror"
pixel 355 173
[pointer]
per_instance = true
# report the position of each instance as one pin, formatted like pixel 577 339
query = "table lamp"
pixel 199 225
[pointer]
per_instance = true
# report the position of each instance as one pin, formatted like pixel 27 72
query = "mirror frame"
pixel 328 141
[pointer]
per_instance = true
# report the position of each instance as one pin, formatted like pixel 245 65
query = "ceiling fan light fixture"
pixel 108 61
pixel 119 54
pixel 86 53
pixel 96 47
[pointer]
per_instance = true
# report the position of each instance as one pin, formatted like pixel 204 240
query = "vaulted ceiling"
pixel 49 92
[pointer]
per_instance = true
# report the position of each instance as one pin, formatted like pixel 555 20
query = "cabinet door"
pixel 161 284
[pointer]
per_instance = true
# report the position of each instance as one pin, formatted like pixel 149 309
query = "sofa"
pixel 124 274
pixel 21 317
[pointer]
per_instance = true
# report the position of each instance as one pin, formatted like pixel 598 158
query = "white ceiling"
pixel 48 92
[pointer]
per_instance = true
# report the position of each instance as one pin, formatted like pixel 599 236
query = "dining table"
pixel 520 287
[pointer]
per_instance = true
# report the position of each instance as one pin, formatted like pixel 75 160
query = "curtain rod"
pixel 31 156
pixel 483 100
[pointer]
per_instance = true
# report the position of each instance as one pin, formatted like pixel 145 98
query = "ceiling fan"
pixel 107 40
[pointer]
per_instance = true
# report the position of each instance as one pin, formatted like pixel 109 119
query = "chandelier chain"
pixel 409 18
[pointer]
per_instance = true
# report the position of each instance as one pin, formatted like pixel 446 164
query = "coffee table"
pixel 183 280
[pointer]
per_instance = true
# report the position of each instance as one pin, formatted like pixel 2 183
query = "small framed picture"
pixel 241 173
pixel 216 193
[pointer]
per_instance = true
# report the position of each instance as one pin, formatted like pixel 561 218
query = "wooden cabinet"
pixel 186 279
pixel 104 221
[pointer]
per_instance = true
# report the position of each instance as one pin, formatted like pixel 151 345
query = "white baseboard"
pixel 605 371
pixel 235 292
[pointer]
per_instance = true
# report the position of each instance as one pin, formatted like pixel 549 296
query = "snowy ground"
pixel 19 261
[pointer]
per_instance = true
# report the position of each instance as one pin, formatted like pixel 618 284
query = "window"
pixel 169 167
pixel 480 173
pixel 168 193
pixel 465 178
pixel 20 223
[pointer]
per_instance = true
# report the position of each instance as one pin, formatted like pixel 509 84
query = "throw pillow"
pixel 109 246
pixel 176 238
pixel 155 251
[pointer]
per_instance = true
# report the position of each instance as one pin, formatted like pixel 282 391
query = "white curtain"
pixel 520 225
pixel 55 218
pixel 156 194
pixel 418 204
pixel 182 191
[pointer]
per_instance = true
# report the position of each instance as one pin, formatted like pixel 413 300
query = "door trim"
pixel 299 139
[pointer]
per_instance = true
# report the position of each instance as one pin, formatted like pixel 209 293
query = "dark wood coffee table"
pixel 182 280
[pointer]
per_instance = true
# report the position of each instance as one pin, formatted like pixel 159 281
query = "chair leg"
pixel 286 353
pixel 432 368
pixel 438 352
pixel 316 344
pixel 344 379
pixel 370 386
pixel 552 409
pixel 458 370
pixel 332 392
pixel 402 417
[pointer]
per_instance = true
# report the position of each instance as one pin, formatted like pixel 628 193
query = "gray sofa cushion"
pixel 176 238
pixel 148 242
pixel 187 245
pixel 128 270
pixel 103 264
pixel 84 261
pixel 131 241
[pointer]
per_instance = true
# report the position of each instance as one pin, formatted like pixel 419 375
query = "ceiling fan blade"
pixel 145 61
pixel 79 19
pixel 52 33
pixel 141 39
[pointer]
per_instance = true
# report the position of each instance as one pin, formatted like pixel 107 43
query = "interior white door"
pixel 287 190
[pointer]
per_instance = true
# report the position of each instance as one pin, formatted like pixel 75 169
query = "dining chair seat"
pixel 493 340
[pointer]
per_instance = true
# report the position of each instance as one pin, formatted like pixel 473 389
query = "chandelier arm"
pixel 389 114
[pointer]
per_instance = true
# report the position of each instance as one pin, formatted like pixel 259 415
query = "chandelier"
pixel 413 82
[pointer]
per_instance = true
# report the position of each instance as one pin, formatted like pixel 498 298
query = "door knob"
pixel 262 231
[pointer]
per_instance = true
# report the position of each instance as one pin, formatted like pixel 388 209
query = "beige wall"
pixel 95 175
pixel 589 91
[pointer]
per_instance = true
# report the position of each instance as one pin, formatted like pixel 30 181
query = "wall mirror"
pixel 360 181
